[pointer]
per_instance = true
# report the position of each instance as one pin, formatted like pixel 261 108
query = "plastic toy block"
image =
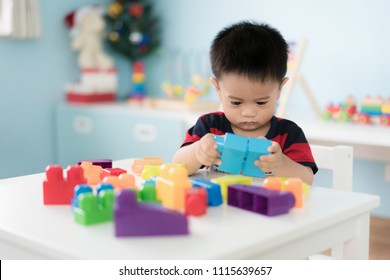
pixel 238 153
pixel 256 148
pixel 233 151
pixel 195 202
pixel 279 183
pixel 79 189
pixel 214 195
pixel 138 164
pixel 94 208
pixel 225 181
pixel 148 192
pixel 171 186
pixel 92 172
pixel 295 186
pixel 125 180
pixel 58 190
pixel 112 172
pixel 150 171
pixel 104 163
pixel 260 200
pixel 145 219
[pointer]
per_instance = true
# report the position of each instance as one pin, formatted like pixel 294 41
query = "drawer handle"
pixel 83 124
pixel 145 132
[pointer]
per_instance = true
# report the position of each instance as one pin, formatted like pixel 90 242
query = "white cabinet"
pixel 116 131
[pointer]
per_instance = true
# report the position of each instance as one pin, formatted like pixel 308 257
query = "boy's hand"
pixel 206 150
pixel 271 163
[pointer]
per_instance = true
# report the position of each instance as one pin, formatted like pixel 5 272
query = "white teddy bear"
pixel 87 38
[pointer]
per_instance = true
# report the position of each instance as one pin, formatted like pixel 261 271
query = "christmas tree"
pixel 133 32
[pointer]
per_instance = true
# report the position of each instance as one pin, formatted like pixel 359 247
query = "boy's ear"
pixel 282 84
pixel 214 81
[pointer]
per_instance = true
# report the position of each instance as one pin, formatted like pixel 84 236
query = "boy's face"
pixel 248 105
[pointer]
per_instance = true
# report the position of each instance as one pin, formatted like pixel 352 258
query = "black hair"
pixel 257 51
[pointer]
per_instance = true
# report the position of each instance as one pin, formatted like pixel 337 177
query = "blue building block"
pixel 233 152
pixel 238 153
pixel 79 189
pixel 213 190
pixel 256 148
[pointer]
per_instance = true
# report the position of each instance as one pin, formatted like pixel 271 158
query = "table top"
pixel 223 233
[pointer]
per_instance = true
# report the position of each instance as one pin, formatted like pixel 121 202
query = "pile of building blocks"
pixel 238 154
pixel 161 204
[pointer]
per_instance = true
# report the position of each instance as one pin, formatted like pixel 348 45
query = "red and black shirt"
pixel 288 134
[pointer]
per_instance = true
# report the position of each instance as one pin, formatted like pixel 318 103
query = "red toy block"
pixel 112 172
pixel 195 202
pixel 56 189
pixel 90 98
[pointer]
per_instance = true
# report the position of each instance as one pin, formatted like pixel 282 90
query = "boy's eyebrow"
pixel 238 98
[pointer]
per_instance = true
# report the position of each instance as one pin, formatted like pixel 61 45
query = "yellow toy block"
pixel 171 186
pixel 279 184
pixel 92 172
pixel 226 180
pixel 150 171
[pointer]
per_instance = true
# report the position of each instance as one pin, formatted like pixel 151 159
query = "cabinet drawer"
pixel 116 134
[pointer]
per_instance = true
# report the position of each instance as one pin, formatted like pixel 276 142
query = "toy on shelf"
pixel 58 190
pixel 238 154
pixel 145 219
pixel 98 82
pixel 260 200
pixel 372 110
pixel 90 208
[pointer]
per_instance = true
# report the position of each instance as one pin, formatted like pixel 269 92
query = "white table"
pixel 29 230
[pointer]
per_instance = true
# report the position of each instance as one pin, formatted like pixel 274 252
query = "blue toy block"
pixel 238 153
pixel 213 190
pixel 256 148
pixel 233 152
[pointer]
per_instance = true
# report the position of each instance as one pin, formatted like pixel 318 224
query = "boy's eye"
pixel 235 103
pixel 261 103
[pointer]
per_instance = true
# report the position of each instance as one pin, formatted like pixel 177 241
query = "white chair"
pixel 338 159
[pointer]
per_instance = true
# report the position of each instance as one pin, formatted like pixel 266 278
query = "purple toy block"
pixel 260 200
pixel 145 219
pixel 104 163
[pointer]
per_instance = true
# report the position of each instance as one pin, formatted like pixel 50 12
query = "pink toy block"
pixel 195 202
pixel 171 186
pixel 56 189
pixel 112 172
pixel 145 219
pixel 92 172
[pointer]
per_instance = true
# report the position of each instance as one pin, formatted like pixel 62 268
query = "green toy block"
pixel 225 181
pixel 148 192
pixel 94 209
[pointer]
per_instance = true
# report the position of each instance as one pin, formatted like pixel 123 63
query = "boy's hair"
pixel 257 51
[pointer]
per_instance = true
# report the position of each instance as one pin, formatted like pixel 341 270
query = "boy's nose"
pixel 248 112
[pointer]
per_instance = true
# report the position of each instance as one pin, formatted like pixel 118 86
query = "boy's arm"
pixel 202 152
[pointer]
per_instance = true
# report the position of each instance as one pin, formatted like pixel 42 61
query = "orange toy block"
pixel 92 172
pixel 123 181
pixel 295 185
pixel 171 186
pixel 195 202
pixel 273 183
pixel 56 189
pixel 138 164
